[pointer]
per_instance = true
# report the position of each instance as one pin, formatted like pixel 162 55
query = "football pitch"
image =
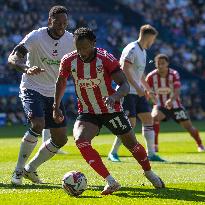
pixel 183 174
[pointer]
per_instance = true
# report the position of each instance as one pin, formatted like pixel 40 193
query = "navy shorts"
pixel 117 122
pixel 133 105
pixel 37 105
pixel 177 114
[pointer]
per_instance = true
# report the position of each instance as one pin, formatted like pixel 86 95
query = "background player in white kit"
pixel 133 63
pixel 44 49
pixel 165 83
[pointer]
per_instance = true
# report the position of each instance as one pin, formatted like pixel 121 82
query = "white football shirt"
pixel 135 55
pixel 44 52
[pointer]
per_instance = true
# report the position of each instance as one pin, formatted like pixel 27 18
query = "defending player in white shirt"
pixel 133 63
pixel 44 49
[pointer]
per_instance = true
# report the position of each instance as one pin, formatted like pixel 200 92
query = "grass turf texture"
pixel 184 173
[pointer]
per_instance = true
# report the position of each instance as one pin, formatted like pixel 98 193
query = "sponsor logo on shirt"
pixel 164 91
pixel 50 61
pixel 88 83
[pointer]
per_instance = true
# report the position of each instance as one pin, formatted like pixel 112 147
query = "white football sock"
pixel 148 133
pixel 115 146
pixel 46 152
pixel 28 144
pixel 46 134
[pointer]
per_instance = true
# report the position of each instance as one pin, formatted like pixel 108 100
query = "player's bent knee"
pixel 38 126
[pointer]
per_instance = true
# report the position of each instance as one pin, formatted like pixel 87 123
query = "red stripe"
pixel 80 75
pixel 96 90
pixel 168 85
pixel 159 86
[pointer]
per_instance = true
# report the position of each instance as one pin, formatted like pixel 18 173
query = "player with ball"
pixel 93 70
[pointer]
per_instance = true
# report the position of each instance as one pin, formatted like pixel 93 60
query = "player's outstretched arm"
pixel 17 58
pixel 59 92
pixel 17 61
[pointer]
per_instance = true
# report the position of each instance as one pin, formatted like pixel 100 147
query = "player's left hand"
pixel 168 104
pixel 58 115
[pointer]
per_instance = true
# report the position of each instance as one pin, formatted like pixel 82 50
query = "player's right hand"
pixel 35 70
pixel 168 104
pixel 58 115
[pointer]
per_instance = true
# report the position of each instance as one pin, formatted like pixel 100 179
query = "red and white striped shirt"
pixel 92 80
pixel 164 87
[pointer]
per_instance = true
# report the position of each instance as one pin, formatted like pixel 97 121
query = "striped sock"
pixel 28 144
pixel 46 152
pixel 148 133
pixel 140 155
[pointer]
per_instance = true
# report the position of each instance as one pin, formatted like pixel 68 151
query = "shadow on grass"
pixel 31 186
pixel 167 193
pixel 188 163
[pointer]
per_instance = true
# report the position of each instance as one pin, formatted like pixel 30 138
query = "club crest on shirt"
pixel 54 53
pixel 88 83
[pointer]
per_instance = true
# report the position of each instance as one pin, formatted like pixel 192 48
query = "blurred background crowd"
pixel 181 24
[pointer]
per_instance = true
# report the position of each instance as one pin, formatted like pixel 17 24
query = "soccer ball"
pixel 74 183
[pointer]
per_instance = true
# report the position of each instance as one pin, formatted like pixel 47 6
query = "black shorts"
pixel 133 105
pixel 37 105
pixel 177 114
pixel 118 123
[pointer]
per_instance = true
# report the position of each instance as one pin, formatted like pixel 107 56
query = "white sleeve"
pixel 128 55
pixel 30 40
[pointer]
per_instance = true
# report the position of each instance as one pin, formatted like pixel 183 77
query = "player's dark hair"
pixel 161 56
pixel 148 29
pixel 84 33
pixel 57 10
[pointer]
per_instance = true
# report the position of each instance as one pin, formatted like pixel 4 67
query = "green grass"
pixel 184 174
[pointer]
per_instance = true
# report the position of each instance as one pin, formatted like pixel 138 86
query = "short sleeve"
pixel 176 80
pixel 65 67
pixel 30 40
pixel 111 63
pixel 128 56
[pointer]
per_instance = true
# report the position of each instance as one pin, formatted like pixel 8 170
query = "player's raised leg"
pixel 194 133
pixel 83 133
pixel 139 153
pixel 119 124
pixel 52 145
pixel 46 151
